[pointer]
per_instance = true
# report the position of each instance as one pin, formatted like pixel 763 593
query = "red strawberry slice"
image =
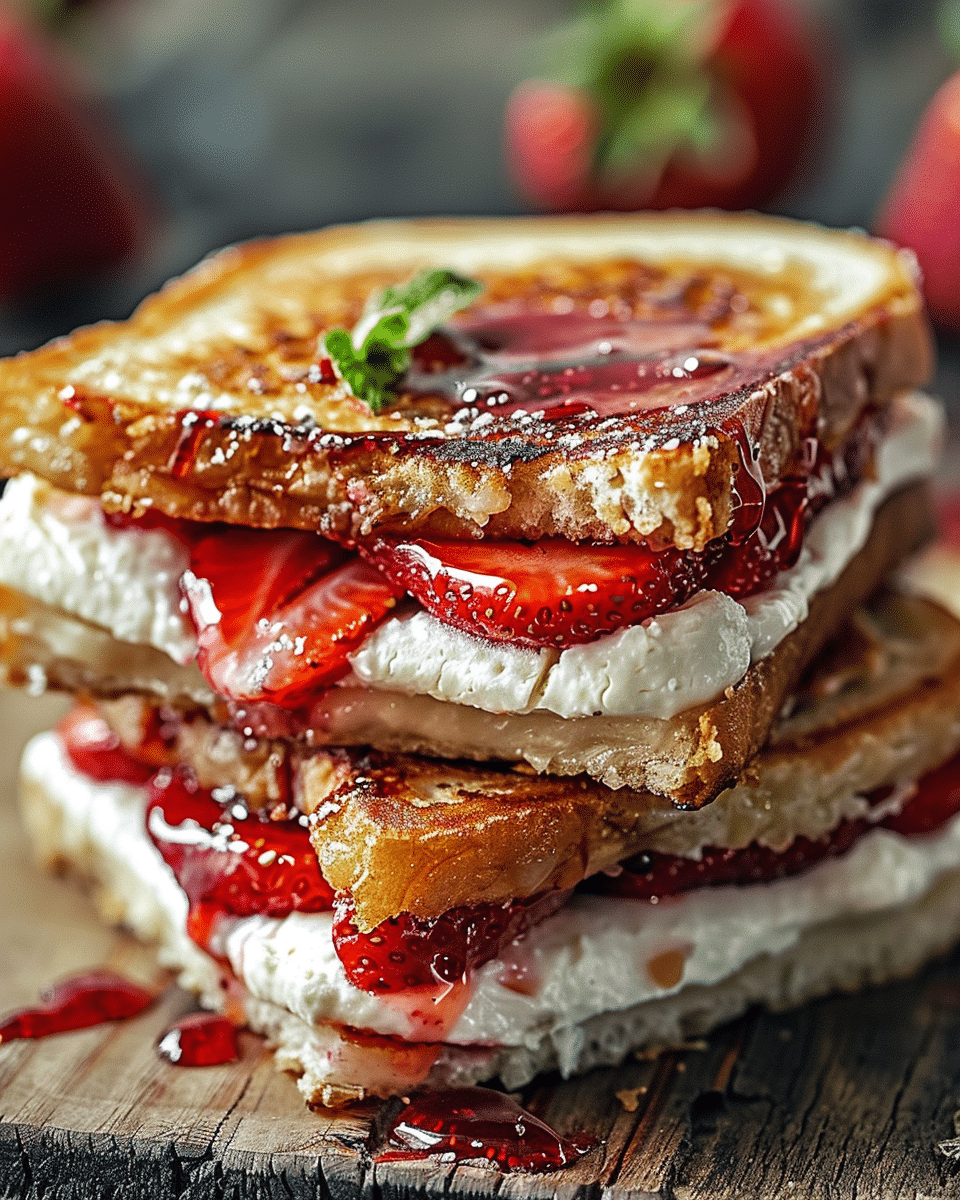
pixel 229 861
pixel 551 593
pixel 406 952
pixel 277 612
pixel 560 593
pixel 653 875
pixel 936 800
pixel 95 750
pixel 69 203
pixel 772 548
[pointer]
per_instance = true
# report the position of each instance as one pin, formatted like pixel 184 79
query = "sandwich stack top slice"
pixel 212 402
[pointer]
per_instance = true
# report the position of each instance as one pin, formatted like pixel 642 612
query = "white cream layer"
pixel 59 549
pixel 61 552
pixel 595 955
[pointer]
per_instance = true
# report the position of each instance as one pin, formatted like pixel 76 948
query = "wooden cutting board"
pixel 846 1098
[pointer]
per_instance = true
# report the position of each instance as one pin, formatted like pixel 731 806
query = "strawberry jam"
pixel 653 876
pixel 473 1124
pixel 407 952
pixel 200 1040
pixel 79 1002
pixel 229 861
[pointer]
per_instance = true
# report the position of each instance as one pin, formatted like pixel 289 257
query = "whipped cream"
pixel 595 955
pixel 58 549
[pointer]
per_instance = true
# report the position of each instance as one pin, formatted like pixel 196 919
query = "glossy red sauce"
pixel 473 1124
pixel 228 860
pixel 506 360
pixel 653 876
pixel 91 998
pixel 95 750
pixel 200 1040
pixel 193 425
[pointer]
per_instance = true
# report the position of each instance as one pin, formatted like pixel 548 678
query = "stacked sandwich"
pixel 483 632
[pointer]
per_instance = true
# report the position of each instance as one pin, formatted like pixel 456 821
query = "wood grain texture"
pixel 845 1099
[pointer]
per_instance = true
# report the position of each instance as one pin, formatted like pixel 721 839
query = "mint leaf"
pixel 375 355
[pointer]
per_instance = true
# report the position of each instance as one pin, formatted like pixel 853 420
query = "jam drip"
pixel 654 876
pixel 474 1124
pixel 407 952
pixel 228 860
pixel 92 998
pixel 200 1040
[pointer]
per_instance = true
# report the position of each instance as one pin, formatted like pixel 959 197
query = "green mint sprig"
pixel 374 356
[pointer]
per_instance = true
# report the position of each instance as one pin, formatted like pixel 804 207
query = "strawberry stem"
pixel 642 63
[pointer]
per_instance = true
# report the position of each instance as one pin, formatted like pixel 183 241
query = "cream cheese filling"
pixel 595 955
pixel 58 549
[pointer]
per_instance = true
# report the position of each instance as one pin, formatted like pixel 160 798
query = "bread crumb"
pixel 630 1097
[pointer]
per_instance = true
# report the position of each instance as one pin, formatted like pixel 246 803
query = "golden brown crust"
pixel 234 341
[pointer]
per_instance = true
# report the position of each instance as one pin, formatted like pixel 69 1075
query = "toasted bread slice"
pixel 209 403
pixel 689 757
pixel 408 834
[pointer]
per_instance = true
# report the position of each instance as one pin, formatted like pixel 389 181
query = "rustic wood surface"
pixel 846 1098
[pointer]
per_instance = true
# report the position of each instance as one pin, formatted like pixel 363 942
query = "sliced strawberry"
pixel 774 547
pixel 553 592
pixel 935 801
pixel 652 876
pixel 94 748
pixel 412 952
pixel 560 593
pixel 277 612
pixel 229 861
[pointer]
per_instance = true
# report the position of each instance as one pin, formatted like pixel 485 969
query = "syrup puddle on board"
pixel 473 1124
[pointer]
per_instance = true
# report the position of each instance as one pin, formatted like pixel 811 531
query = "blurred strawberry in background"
pixel 922 209
pixel 670 103
pixel 71 204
